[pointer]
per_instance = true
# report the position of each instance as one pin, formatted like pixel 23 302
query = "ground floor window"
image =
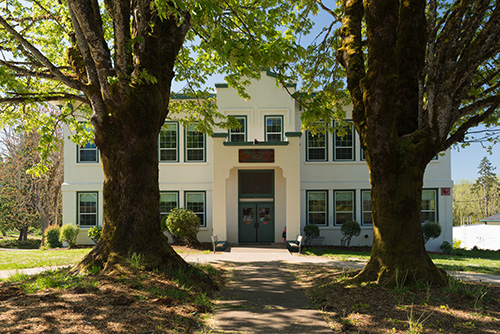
pixel 317 204
pixel 195 201
pixel 429 205
pixel 344 206
pixel 87 208
pixel 366 207
pixel 168 201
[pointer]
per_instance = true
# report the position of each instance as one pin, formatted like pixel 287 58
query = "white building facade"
pixel 248 185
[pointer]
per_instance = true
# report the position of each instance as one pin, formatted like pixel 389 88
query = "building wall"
pixel 217 176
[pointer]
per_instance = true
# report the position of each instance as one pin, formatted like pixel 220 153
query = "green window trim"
pixel 366 207
pixel 344 146
pixel 317 207
pixel 87 212
pixel 316 147
pixel 271 133
pixel 199 209
pixel 240 135
pixel 168 201
pixel 195 145
pixel 168 142
pixel 429 206
pixel 344 206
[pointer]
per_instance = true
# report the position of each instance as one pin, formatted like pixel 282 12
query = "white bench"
pixel 295 245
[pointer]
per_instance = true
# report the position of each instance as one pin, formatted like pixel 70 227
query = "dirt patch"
pixel 133 302
pixel 370 308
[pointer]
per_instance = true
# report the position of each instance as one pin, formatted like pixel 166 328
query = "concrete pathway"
pixel 262 297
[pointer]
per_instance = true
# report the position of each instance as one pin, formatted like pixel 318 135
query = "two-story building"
pixel 249 184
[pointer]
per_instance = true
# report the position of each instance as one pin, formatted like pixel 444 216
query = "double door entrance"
pixel 256 222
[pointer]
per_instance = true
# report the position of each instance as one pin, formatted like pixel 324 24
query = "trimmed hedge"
pixel 17 244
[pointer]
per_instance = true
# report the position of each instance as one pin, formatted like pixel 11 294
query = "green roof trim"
pixel 293 134
pixel 176 96
pixel 261 143
pixel 221 85
pixel 269 73
pixel 219 135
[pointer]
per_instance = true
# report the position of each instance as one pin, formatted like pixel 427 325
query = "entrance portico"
pixel 255 198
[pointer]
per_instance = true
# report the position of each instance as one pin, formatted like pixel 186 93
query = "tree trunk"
pixel 128 148
pixel 398 255
pixel 23 234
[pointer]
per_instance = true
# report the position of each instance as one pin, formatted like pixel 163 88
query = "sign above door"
pixel 256 155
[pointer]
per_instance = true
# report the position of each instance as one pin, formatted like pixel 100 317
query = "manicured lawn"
pixel 20 259
pixel 486 262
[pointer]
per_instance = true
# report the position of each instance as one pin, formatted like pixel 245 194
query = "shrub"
pixel 183 225
pixel 20 244
pixel 446 247
pixel 311 231
pixel 52 237
pixel 349 229
pixel 431 230
pixel 94 233
pixel 69 233
pixel 457 243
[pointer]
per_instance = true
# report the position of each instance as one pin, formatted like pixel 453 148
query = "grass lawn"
pixel 20 259
pixel 479 261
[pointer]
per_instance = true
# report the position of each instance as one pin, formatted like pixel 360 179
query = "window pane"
pixel 428 210
pixel 344 145
pixel 238 135
pixel 256 183
pixel 344 206
pixel 87 209
pixel 273 128
pixel 317 207
pixel 366 202
pixel 316 146
pixel 87 153
pixel 195 144
pixel 168 201
pixel 195 201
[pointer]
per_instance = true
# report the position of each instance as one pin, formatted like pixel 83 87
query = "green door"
pixel 256 222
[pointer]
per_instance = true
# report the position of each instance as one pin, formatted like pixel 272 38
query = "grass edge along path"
pixel 476 261
pixel 25 259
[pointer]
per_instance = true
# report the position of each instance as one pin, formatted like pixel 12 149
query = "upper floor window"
pixel 195 201
pixel 344 206
pixel 168 143
pixel 343 143
pixel 88 153
pixel 195 144
pixel 317 204
pixel 316 149
pixel 429 206
pixel 239 135
pixel 274 128
pixel 87 208
pixel 168 201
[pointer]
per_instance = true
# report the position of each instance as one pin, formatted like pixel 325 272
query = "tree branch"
pixel 37 97
pixel 52 68
pixel 120 11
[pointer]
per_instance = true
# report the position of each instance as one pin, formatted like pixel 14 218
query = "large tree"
pixel 420 74
pixel 121 57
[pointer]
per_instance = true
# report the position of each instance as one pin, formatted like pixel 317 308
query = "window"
pixel 344 206
pixel 366 207
pixel 274 128
pixel 344 143
pixel 168 142
pixel 168 201
pixel 317 204
pixel 87 208
pixel 239 135
pixel 429 207
pixel 195 144
pixel 88 153
pixel 195 201
pixel 316 147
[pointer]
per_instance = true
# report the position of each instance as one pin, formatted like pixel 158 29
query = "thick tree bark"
pixel 128 148
pixel 23 234
pixel 385 93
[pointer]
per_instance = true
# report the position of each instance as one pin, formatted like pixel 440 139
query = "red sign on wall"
pixel 445 191
pixel 256 155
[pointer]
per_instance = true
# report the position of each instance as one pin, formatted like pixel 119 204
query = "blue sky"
pixel 464 161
